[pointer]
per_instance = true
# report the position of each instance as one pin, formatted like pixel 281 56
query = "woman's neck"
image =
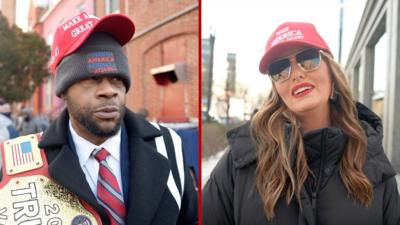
pixel 315 119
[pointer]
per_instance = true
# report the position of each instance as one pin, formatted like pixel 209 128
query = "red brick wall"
pixel 148 12
pixel 172 42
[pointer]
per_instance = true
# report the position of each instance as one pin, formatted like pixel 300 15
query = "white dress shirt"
pixel 90 165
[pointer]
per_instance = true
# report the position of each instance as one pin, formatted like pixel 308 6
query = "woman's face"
pixel 305 92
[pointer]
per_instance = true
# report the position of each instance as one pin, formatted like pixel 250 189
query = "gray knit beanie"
pixel 99 55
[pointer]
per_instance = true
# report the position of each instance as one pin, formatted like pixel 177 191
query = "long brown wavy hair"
pixel 277 176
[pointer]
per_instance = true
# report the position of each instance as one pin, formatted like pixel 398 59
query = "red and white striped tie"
pixel 109 193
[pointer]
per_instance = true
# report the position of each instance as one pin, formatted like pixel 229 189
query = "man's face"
pixel 96 106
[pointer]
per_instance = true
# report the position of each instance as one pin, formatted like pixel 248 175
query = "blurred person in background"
pixel 311 154
pixel 8 129
pixel 30 123
pixel 143 112
pixel 44 120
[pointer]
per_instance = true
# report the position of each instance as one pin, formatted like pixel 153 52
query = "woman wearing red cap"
pixel 311 155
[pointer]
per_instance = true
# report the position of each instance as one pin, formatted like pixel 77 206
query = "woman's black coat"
pixel 230 196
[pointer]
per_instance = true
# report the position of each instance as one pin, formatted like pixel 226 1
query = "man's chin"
pixel 111 130
pixel 104 128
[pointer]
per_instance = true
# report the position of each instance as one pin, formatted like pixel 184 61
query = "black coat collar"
pixel 149 169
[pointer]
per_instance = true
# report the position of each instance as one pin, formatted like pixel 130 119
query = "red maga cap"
pixel 74 32
pixel 291 34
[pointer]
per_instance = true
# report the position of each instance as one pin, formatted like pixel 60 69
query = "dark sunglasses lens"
pixel 279 70
pixel 309 59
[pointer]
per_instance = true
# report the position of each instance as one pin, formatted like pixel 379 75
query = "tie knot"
pixel 101 154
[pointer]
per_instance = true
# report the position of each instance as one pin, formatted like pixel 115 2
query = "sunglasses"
pixel 308 60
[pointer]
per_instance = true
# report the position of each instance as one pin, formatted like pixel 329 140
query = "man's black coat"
pixel 149 200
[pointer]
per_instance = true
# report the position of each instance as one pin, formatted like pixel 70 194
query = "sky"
pixel 22 12
pixel 243 27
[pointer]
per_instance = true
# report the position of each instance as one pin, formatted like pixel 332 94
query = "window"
pixel 380 73
pixel 112 6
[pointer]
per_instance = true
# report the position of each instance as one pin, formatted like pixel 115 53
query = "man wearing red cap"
pixel 98 163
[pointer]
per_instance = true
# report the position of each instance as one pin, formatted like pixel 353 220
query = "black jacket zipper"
pixel 314 194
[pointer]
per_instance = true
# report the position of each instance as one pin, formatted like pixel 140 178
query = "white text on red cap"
pixel 75 32
pixel 286 34
pixel 74 21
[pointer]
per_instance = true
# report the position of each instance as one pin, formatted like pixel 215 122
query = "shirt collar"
pixel 84 147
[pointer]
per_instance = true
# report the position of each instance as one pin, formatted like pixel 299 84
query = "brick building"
pixel 163 59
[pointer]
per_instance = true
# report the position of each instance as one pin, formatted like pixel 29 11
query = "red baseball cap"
pixel 291 34
pixel 74 32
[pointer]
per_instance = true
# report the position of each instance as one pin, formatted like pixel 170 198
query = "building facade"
pixel 377 84
pixel 163 58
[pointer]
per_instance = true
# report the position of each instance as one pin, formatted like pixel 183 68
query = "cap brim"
pixel 275 51
pixel 117 25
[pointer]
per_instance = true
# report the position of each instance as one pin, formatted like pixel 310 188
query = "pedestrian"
pixel 8 129
pixel 123 169
pixel 44 121
pixel 143 112
pixel 30 124
pixel 311 155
